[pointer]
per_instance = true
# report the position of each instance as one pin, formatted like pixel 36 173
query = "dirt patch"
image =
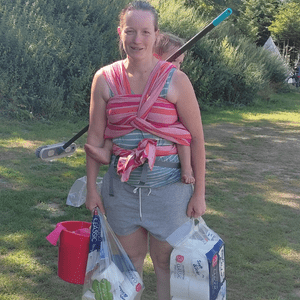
pixel 262 152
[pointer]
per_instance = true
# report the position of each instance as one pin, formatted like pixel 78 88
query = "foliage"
pixel 224 67
pixel 286 28
pixel 213 7
pixel 50 50
pixel 286 25
pixel 256 16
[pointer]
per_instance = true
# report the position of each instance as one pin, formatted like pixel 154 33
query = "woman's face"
pixel 138 34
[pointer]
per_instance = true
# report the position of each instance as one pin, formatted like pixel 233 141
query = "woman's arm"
pixel 97 124
pixel 182 94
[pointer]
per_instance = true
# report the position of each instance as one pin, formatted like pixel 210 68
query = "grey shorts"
pixel 159 210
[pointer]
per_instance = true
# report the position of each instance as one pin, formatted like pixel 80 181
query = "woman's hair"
pixel 136 5
pixel 166 41
pixel 139 5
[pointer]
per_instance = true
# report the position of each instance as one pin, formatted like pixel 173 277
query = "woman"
pixel 166 44
pixel 137 102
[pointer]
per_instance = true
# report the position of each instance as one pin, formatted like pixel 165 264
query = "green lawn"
pixel 253 197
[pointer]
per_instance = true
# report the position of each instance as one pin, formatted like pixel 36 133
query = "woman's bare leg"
pixel 160 254
pixel 136 246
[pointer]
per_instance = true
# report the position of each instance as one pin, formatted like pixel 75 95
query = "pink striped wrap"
pixel 147 112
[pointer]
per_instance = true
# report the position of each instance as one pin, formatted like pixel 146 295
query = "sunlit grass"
pixel 285 199
pixel 281 108
pixel 288 253
pixel 23 261
pixel 291 118
pixel 18 142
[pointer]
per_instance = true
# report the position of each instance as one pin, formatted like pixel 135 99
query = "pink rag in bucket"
pixel 84 231
pixel 54 235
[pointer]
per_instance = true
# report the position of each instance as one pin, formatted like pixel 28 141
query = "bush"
pixel 50 50
pixel 224 66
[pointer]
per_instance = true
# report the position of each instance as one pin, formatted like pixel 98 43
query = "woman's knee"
pixel 136 246
pixel 137 257
pixel 160 253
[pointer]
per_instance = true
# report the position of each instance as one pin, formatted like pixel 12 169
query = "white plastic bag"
pixel 77 193
pixel 197 263
pixel 110 274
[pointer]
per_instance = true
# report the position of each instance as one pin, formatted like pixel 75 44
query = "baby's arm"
pixel 101 155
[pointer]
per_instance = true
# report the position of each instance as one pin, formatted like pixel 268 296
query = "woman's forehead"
pixel 139 18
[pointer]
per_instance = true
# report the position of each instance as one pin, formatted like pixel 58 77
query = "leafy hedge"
pixel 224 66
pixel 50 50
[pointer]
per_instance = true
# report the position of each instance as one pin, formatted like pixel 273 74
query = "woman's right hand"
pixel 93 200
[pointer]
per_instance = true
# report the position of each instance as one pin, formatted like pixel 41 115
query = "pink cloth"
pixel 54 235
pixel 84 232
pixel 147 112
pixel 146 150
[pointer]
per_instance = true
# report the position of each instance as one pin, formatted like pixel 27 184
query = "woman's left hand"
pixel 196 207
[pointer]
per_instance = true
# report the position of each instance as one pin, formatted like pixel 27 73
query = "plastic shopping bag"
pixel 110 274
pixel 197 263
pixel 77 193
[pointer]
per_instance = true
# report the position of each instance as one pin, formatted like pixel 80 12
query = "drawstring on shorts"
pixel 139 188
pixel 143 178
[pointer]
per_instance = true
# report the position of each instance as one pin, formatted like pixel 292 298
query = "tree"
pixel 286 30
pixel 211 8
pixel 256 16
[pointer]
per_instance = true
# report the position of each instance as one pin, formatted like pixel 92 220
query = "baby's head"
pixel 166 45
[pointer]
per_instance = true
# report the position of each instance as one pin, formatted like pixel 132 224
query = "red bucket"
pixel 73 252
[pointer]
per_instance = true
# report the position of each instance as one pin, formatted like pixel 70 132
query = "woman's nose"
pixel 137 37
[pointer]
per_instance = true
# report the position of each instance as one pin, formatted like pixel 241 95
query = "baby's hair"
pixel 166 41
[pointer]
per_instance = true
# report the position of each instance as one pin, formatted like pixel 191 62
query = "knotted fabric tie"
pixel 130 159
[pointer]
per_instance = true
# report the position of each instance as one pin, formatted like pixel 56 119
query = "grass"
pixel 253 198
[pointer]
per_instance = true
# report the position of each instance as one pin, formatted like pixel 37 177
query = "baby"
pixel 166 45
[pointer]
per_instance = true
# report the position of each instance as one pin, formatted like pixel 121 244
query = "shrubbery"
pixel 49 51
pixel 224 66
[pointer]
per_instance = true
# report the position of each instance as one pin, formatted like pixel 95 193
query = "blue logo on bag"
pixel 95 238
pixel 216 269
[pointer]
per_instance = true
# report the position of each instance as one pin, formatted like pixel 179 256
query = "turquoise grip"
pixel 222 17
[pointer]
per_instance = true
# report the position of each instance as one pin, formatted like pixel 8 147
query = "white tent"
pixel 270 45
